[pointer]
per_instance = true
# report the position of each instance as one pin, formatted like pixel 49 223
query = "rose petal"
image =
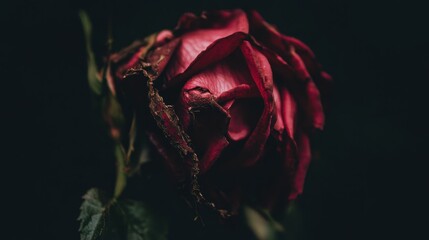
pixel 217 51
pixel 262 76
pixel 245 114
pixel 288 112
pixel 239 92
pixel 160 56
pixel 212 26
pixel 297 80
pixel 307 55
pixel 206 122
pixel 222 77
pixel 209 126
pixel 321 78
pixel 127 57
pixel 163 36
pixel 302 60
pixel 226 77
pixel 214 149
pixel 304 157
pixel 189 50
pixel 279 123
pixel 313 104
pixel 169 155
pixel 266 34
pixel 235 79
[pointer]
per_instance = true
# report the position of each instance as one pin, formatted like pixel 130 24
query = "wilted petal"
pixel 321 78
pixel 266 34
pixel 161 55
pixel 120 62
pixel 226 81
pixel 135 91
pixel 279 123
pixel 208 127
pixel 262 76
pixel 171 158
pixel 211 27
pixel 307 55
pixel 313 104
pixel 302 59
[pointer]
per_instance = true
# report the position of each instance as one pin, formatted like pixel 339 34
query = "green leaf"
pixel 143 221
pixel 101 218
pixel 92 215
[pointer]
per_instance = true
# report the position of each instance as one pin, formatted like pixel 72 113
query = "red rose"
pixel 229 104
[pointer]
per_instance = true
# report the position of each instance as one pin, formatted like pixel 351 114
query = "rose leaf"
pixel 142 221
pixel 92 215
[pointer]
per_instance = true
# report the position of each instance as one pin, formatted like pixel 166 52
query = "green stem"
pixel 121 178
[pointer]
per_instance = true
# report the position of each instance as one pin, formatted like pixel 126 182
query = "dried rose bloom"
pixel 228 102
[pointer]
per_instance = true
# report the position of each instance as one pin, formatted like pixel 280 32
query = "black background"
pixel 370 182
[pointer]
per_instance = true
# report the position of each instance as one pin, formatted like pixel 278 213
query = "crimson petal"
pixel 226 81
pixel 278 126
pixel 245 115
pixel 288 112
pixel 321 78
pixel 262 76
pixel 305 66
pixel 215 52
pixel 208 28
pixel 223 76
pixel 208 127
pixel 313 106
pixel 239 92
